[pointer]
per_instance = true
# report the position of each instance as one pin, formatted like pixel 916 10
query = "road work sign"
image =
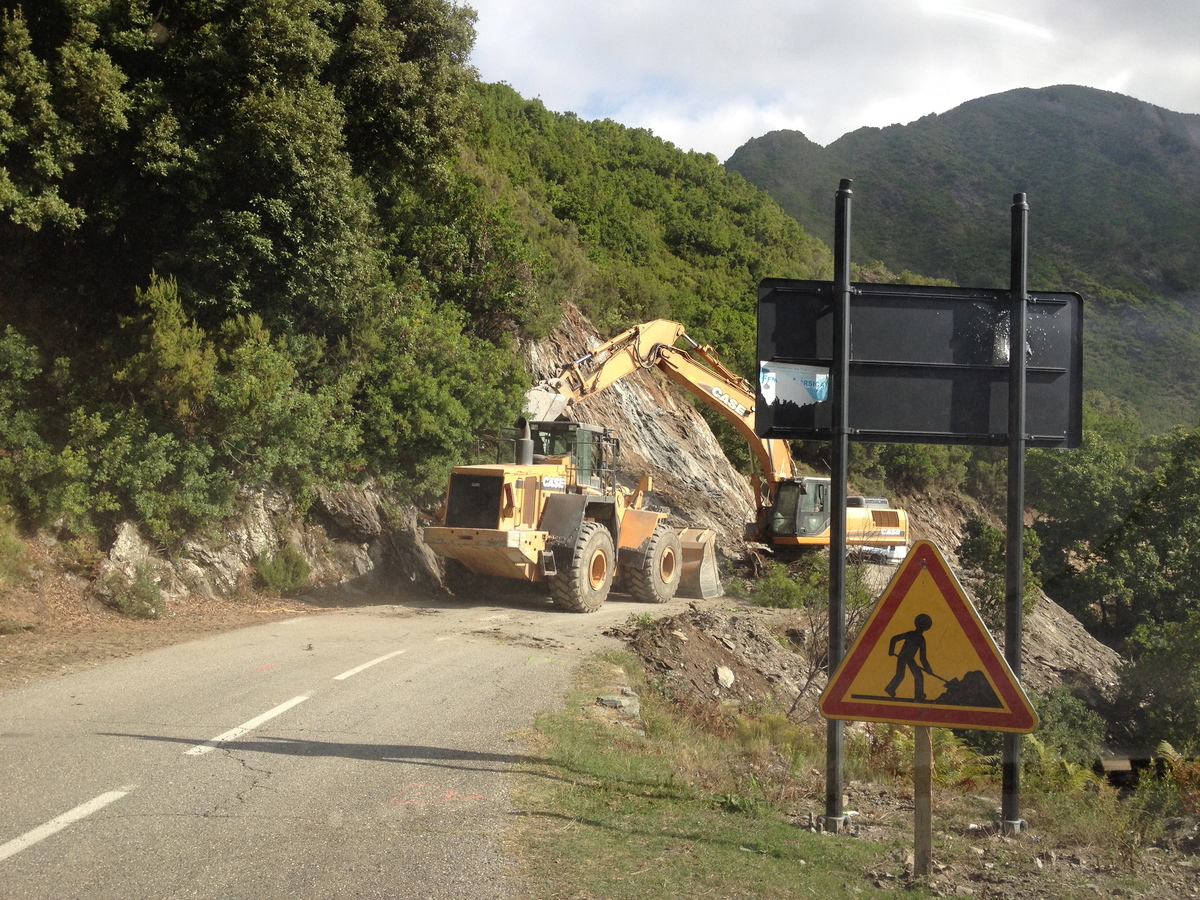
pixel 925 657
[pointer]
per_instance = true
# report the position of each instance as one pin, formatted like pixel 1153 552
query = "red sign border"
pixel 924 555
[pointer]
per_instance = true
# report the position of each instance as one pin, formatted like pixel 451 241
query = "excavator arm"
pixel 652 345
pixel 804 518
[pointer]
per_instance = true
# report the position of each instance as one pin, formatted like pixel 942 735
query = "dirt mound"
pixel 707 657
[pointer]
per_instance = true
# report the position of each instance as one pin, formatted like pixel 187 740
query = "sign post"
pixel 925 365
pixel 925 658
pixel 839 453
pixel 922 801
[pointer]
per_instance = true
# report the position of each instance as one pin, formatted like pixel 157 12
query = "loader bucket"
pixel 699 579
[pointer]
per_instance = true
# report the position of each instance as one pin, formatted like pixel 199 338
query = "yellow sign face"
pixel 924 657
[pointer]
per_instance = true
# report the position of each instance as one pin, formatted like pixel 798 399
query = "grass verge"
pixel 715 802
pixel 612 813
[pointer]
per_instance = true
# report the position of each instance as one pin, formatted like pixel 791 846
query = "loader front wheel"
pixel 583 585
pixel 657 578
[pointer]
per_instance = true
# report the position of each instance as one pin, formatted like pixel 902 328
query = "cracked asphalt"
pixel 350 754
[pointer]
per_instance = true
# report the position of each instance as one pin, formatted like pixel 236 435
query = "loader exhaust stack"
pixel 524 443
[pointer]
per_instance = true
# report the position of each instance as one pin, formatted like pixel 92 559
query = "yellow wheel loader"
pixel 557 516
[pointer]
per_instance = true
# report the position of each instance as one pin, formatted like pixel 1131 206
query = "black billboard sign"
pixel 928 365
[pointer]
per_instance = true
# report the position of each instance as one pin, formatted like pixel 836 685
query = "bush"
pixel 1060 755
pixel 1159 697
pixel 13 561
pixel 283 571
pixel 780 588
pixel 805 583
pixel 139 596
pixel 1184 775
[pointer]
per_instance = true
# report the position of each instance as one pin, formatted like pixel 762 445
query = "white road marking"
pixel 366 665
pixel 243 728
pixel 60 822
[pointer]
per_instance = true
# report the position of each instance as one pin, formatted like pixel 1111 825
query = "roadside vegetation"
pixel 708 800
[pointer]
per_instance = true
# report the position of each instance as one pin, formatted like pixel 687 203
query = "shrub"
pixel 283 571
pixel 1159 696
pixel 1184 774
pixel 139 596
pixel 779 588
pixel 1060 755
pixel 13 561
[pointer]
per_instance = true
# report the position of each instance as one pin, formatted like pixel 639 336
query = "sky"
pixel 708 75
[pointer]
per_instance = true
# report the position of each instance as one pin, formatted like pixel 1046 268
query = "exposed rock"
pixel 347 547
pixel 1056 649
pixel 353 510
pixel 662 434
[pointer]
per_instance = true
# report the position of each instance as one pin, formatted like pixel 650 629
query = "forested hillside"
pixel 1114 187
pixel 296 241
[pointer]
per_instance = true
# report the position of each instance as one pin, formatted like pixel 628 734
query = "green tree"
pixel 984 550
pixel 1148 569
pixel 1159 697
pixel 1083 495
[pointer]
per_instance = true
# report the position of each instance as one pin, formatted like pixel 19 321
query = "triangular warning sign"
pixel 924 657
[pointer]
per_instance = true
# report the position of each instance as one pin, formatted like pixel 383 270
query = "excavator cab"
pixel 801 508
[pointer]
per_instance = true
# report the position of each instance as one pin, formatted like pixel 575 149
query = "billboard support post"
pixel 839 453
pixel 1014 580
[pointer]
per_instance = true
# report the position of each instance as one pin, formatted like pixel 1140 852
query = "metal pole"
pixel 839 451
pixel 1014 581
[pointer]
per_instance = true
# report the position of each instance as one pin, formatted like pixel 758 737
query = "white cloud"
pixel 709 74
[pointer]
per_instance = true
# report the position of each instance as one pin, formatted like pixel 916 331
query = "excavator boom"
pixel 652 345
pixel 790 510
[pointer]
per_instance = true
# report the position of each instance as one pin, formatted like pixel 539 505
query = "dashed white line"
pixel 235 733
pixel 366 665
pixel 60 822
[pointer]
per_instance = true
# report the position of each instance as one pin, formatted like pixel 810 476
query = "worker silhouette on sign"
pixel 913 646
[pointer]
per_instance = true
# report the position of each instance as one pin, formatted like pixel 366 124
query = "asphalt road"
pixel 350 754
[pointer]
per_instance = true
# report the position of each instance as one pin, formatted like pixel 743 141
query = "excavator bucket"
pixel 699 579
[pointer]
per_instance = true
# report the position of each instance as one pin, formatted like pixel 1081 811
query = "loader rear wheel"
pixel 657 578
pixel 583 585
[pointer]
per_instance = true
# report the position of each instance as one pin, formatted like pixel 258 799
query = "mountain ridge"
pixel 1114 189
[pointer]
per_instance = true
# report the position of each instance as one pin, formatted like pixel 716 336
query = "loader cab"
pixel 801 508
pixel 592 448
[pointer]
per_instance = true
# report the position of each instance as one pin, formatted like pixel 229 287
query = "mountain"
pixel 1114 189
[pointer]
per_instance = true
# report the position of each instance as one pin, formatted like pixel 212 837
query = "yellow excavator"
pixel 555 513
pixel 792 513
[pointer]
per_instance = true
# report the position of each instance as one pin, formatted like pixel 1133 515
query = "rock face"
pixel 344 538
pixel 1056 649
pixel 662 434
